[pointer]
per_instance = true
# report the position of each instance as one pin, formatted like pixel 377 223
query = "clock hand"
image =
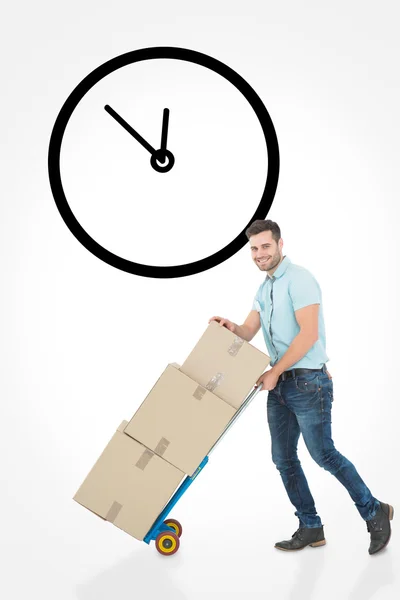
pixel 164 134
pixel 157 156
pixel 129 129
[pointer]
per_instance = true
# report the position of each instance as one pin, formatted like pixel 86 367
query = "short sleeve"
pixel 256 305
pixel 304 290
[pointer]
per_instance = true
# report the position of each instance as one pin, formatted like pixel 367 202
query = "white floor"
pixel 231 516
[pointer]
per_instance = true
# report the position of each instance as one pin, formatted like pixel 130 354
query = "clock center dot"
pixel 162 161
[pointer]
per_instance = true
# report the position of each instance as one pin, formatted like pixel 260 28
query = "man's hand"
pixel 269 380
pixel 225 323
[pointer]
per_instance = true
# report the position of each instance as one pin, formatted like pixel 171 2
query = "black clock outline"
pixel 161 52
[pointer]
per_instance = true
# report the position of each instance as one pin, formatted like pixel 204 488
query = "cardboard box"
pixel 180 420
pixel 129 485
pixel 225 364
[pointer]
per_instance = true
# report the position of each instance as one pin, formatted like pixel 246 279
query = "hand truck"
pixel 165 531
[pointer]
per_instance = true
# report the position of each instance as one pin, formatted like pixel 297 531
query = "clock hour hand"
pixel 130 129
pixel 164 134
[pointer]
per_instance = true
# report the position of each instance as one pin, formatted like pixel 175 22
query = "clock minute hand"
pixel 164 133
pixel 129 129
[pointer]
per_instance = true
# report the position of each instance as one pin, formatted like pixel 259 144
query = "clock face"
pixel 154 152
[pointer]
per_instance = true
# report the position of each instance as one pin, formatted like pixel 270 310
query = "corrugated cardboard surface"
pixel 180 420
pixel 225 364
pixel 129 485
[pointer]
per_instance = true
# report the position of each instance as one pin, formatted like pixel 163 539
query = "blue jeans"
pixel 303 405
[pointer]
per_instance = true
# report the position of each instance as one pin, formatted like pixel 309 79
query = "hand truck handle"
pixel 244 405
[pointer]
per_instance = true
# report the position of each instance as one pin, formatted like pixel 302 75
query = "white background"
pixel 82 343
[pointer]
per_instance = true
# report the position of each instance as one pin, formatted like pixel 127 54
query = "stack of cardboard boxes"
pixel 174 428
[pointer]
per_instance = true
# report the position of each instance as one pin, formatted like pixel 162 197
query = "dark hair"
pixel 264 225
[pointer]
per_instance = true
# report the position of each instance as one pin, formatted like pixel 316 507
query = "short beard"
pixel 274 262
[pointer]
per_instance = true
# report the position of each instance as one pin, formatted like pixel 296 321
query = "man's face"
pixel 265 252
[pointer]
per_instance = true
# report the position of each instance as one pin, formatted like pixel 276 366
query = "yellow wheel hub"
pixel 174 527
pixel 170 539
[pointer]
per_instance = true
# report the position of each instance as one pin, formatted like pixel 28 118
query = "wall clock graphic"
pixel 161 160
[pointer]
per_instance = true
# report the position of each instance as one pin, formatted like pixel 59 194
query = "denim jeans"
pixel 303 404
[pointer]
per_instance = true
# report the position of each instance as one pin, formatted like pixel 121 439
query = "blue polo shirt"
pixel 291 287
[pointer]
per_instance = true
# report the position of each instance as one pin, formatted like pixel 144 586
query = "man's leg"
pixel 311 399
pixel 285 432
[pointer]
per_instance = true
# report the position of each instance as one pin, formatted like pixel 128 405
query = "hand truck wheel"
pixel 167 543
pixel 175 525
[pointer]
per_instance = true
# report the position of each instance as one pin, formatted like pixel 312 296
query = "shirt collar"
pixel 281 269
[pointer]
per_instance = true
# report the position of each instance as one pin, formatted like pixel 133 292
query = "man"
pixel 288 308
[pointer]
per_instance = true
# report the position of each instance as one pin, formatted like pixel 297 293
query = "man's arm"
pixel 250 327
pixel 246 331
pixel 307 318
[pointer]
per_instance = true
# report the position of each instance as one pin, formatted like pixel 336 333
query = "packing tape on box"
pixel 113 512
pixel 199 392
pixel 144 459
pixel 161 446
pixel 235 346
pixel 215 381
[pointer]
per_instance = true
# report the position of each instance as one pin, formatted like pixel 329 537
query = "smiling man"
pixel 288 308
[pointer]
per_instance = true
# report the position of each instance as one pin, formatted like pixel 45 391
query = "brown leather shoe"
pixel 379 528
pixel 304 536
